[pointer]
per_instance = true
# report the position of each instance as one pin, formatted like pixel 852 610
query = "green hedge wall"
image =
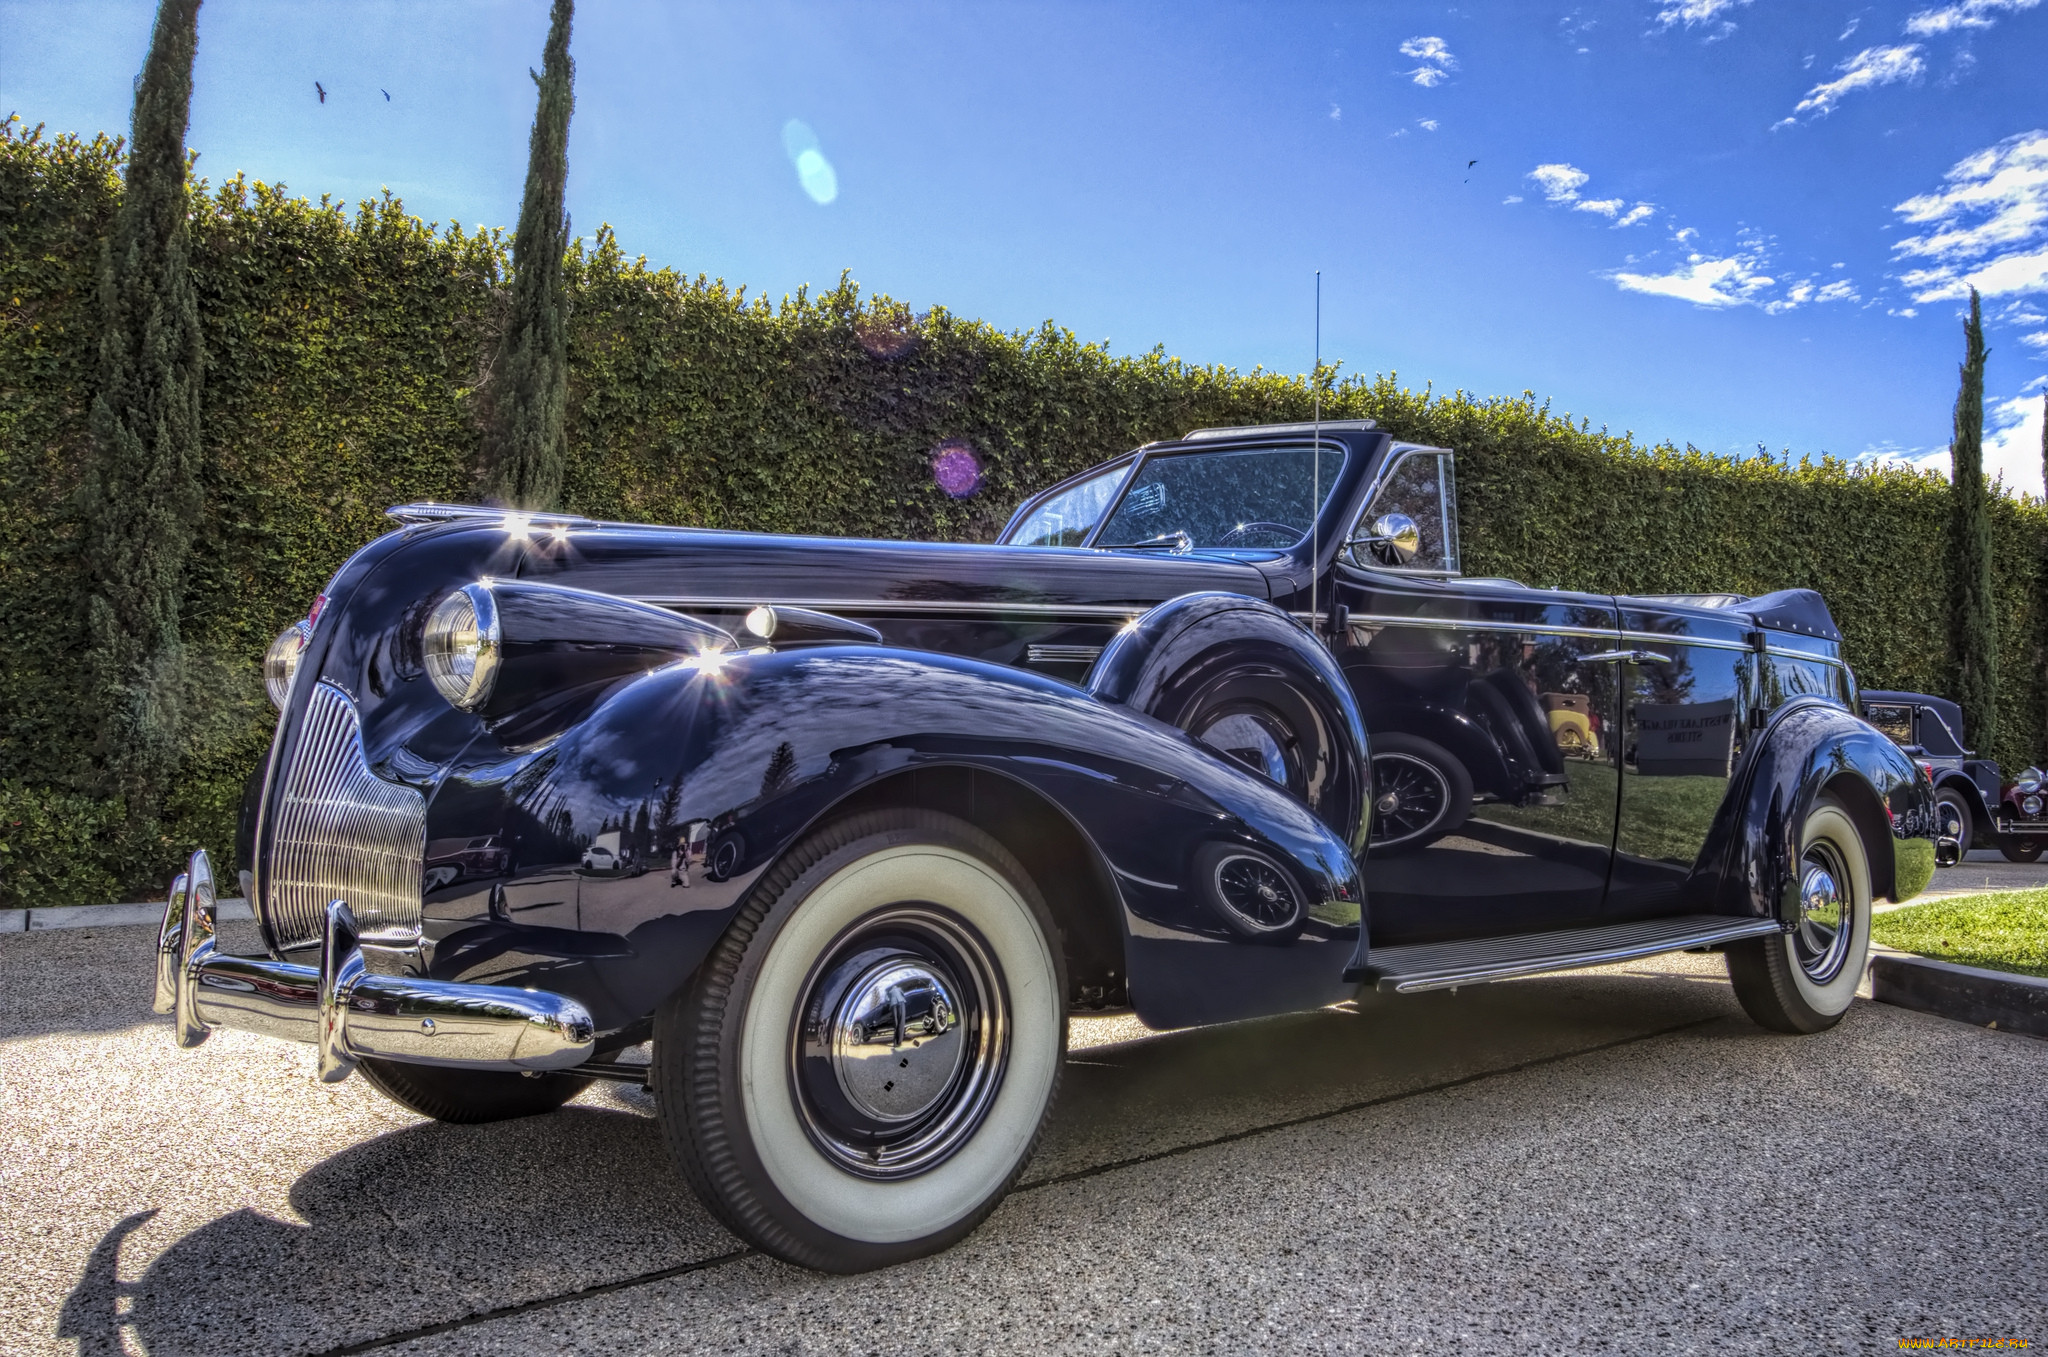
pixel 344 350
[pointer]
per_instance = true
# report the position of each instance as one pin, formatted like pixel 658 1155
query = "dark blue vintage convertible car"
pixel 846 829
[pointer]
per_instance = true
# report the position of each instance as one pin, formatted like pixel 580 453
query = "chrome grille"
pixel 339 832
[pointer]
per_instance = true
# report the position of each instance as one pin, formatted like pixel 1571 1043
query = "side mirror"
pixel 1393 538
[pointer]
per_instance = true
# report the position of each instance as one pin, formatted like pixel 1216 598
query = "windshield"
pixel 1249 499
pixel 1066 518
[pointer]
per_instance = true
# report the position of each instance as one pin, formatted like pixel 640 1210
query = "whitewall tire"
pixel 863 1065
pixel 1805 980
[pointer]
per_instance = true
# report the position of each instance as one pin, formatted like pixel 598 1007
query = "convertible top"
pixel 1801 611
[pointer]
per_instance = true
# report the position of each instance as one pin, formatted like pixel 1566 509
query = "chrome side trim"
pixel 1121 612
pixel 1062 654
pixel 340 832
pixel 349 1013
pixel 1462 624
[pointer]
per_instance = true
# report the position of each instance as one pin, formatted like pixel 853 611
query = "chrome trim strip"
pixel 1122 612
pixel 1062 654
pixel 1667 638
pixel 1482 972
pixel 1463 624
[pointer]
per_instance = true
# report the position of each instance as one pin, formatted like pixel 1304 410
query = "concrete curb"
pixel 2011 1003
pixel 104 916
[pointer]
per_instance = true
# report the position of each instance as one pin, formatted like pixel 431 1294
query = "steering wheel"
pixel 1244 528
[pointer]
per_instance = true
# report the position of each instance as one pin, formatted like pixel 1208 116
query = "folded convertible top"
pixel 1801 611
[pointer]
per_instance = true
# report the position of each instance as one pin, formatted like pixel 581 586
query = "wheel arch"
pixel 1060 856
pixel 1810 748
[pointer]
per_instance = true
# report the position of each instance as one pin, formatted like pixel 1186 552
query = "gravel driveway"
pixel 1611 1160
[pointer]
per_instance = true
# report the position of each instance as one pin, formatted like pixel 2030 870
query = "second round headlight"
pixel 461 644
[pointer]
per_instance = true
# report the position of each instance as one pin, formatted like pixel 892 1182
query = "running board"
pixel 1474 961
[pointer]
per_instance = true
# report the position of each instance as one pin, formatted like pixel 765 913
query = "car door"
pixel 1690 689
pixel 1494 702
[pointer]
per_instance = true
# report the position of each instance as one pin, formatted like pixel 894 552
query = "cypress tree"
pixel 525 445
pixel 1974 634
pixel 139 499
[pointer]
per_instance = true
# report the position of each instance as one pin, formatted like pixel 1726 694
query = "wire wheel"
pixel 1410 796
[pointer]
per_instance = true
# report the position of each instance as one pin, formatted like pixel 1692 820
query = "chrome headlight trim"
pixel 281 661
pixel 462 645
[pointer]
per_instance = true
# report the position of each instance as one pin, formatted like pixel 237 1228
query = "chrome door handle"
pixel 1635 656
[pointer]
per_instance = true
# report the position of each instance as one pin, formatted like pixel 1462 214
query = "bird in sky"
pixel 1468 170
pixel 322 89
pixel 386 94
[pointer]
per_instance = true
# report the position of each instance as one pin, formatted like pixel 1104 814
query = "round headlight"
pixel 281 661
pixel 461 646
pixel 2031 805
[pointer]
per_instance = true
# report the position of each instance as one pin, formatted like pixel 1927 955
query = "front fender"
pixel 1812 747
pixel 737 755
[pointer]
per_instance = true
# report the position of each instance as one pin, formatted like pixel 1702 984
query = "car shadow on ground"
pixel 435 1223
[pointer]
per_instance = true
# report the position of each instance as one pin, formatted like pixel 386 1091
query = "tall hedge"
pixel 343 354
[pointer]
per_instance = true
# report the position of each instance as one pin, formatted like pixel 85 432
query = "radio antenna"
pixel 1315 531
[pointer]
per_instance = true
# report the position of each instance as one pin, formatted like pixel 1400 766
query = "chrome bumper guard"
pixel 350 1013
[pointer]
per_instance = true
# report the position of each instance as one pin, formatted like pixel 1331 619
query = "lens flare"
pixel 813 171
pixel 956 469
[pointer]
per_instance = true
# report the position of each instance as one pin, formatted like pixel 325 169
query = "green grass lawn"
pixel 2007 931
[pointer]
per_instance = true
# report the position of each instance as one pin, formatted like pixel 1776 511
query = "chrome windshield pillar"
pixel 347 1011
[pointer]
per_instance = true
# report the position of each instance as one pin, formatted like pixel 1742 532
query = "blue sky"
pixel 1728 222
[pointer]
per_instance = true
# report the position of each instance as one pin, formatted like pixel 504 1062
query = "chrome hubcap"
pixel 901 1042
pixel 896 1043
pixel 1821 942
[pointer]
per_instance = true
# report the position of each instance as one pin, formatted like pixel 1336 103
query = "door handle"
pixel 1634 656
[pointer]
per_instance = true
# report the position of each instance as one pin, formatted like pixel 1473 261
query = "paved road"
pixel 1983 869
pixel 1609 1161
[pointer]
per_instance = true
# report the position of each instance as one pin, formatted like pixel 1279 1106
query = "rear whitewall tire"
pixel 727 1052
pixel 1804 981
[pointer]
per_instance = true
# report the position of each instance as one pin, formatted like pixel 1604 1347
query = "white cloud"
pixel 1694 13
pixel 1640 212
pixel 2012 443
pixel 1606 207
pixel 1511 198
pixel 1560 182
pixel 1854 24
pixel 1336 114
pixel 2036 340
pixel 1435 56
pixel 1714 283
pixel 1426 124
pixel 1842 291
pixel 1964 14
pixel 1989 224
pixel 1869 68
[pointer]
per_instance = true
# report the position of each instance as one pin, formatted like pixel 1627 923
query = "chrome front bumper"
pixel 346 1010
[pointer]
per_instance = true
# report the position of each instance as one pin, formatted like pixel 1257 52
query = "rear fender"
pixel 1813 748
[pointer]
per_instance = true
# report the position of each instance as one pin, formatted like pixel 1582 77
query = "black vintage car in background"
pixel 1217 730
pixel 1979 806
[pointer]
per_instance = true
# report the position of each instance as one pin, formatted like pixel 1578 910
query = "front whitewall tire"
pixel 753 1058
pixel 895 1212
